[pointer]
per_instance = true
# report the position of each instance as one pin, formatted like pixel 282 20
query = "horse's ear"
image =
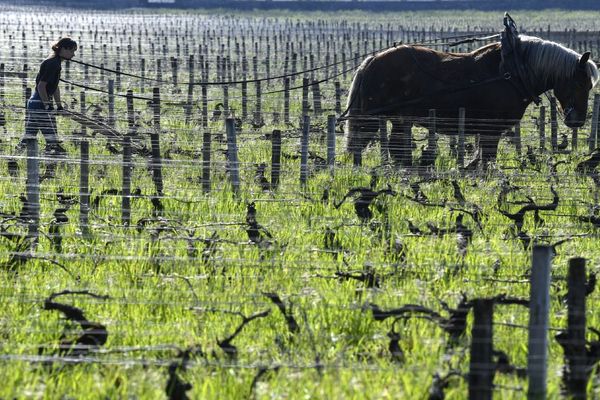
pixel 584 59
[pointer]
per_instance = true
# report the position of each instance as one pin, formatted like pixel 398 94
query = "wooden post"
pixel 204 90
pixel 258 110
pixel 304 151
pixel 331 141
pixel 126 192
pixel 1 83
pixel 84 188
pixel 460 155
pixel 275 158
pixel 226 101
pixel 542 127
pixel 553 124
pixel 383 141
pixel 143 73
pixel 539 305
pixel 316 92
pixel 517 138
pixel 33 190
pixel 190 94
pixel 576 373
pixel 305 96
pixel 574 134
pixel 286 100
pixel 155 144
pixel 482 368
pixel 593 139
pixel 111 103
pixel 118 77
pixel 428 157
pixel 206 161
pixel 84 176
pixel 232 155
pixel 338 98
pixel 244 98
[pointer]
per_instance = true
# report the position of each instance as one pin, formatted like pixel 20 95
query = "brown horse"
pixel 403 83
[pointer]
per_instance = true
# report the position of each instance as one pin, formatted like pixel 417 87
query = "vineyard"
pixel 208 236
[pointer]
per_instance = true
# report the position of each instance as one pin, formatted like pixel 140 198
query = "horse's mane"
pixel 553 61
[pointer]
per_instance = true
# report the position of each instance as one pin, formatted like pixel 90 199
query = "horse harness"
pixel 512 67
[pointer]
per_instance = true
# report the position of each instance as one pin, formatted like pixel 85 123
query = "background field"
pixel 186 277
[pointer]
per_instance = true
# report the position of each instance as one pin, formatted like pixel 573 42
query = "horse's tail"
pixel 353 110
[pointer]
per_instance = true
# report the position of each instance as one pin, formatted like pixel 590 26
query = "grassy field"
pixel 185 296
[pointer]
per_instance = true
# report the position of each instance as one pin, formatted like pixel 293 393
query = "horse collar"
pixel 512 67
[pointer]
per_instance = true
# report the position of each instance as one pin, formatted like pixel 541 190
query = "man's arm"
pixel 41 89
pixel 57 98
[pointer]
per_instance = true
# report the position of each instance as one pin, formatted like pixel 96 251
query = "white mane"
pixel 553 61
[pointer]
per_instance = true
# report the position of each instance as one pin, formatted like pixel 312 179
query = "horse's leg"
pixel 401 142
pixel 488 146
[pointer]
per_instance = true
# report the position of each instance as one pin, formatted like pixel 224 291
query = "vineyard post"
pixel 175 70
pixel 268 64
pixel 383 141
pixel 111 103
pixel 24 82
pixel 539 304
pixel 577 375
pixel 126 192
pixel 118 77
pixel 482 368
pixel 331 141
pixel 143 80
pixel 206 161
pixel 431 142
pixel 258 110
pixel 244 97
pixel 1 83
pixel 33 189
pixel 316 92
pixel 204 90
pixel 304 151
pixel 553 124
pixel 542 127
pixel 286 100
pixel 84 176
pixel 86 75
pixel 517 138
pixel 232 155
pixel 155 144
pixel 338 98
pixel 304 96
pixel 275 158
pixel 594 129
pixel 460 159
pixel 226 101
pixel 190 94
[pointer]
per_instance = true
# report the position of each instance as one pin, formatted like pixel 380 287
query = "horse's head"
pixel 573 93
